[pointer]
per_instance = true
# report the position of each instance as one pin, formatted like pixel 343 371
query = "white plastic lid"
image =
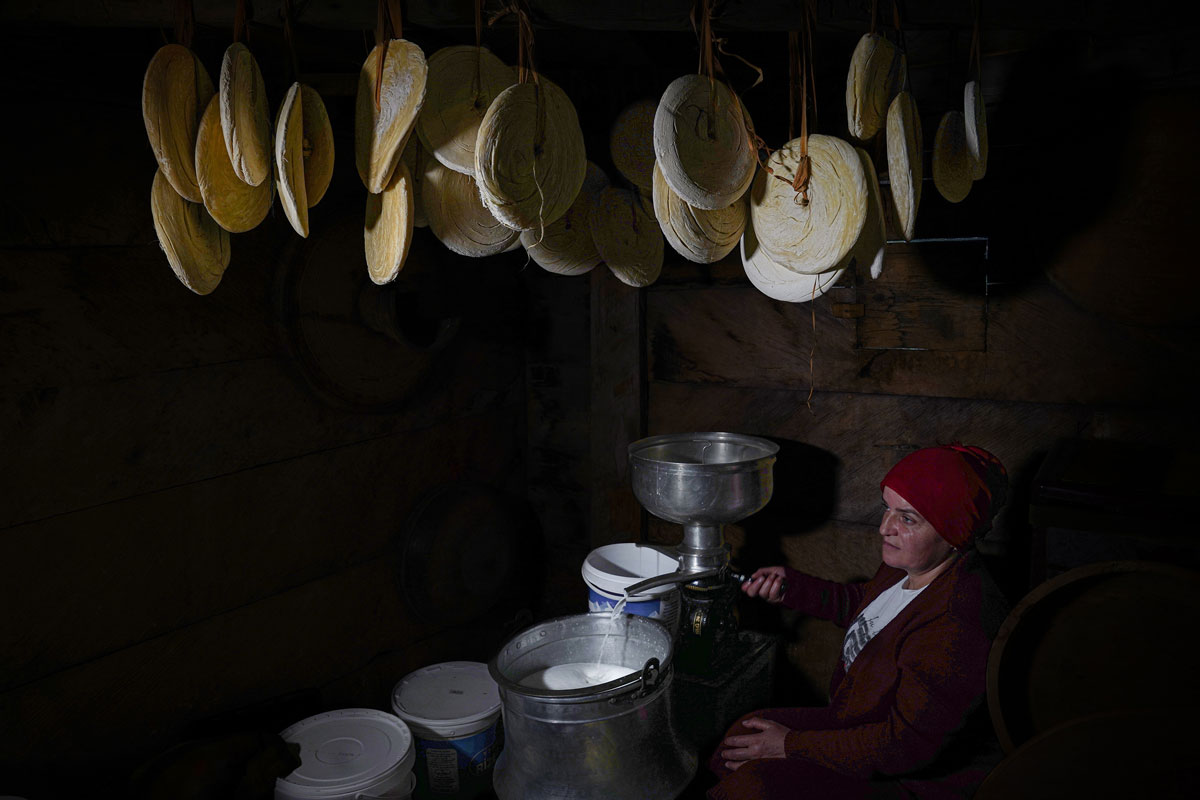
pixel 457 698
pixel 347 751
pixel 615 566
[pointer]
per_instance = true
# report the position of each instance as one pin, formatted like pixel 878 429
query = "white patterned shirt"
pixel 882 610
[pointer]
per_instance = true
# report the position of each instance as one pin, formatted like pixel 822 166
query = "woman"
pixel 907 715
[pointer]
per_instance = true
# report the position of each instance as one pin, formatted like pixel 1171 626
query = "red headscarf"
pixel 952 487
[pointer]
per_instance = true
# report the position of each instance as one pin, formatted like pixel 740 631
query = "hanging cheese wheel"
pixel 953 167
pixel 975 117
pixel 631 144
pixel 779 282
pixel 381 131
pixel 703 147
pixel 197 248
pixel 867 252
pixel 876 73
pixel 905 168
pixel 628 237
pixel 414 157
pixel 175 92
pixel 529 155
pixel 697 234
pixel 245 118
pixel 318 145
pixel 235 205
pixel 566 246
pixel 303 154
pixel 814 237
pixel 461 85
pixel 289 160
pixel 388 230
pixel 458 217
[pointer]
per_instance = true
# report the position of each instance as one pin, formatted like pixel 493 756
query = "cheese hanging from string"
pixel 975 119
pixel 814 236
pixel 530 160
pixel 197 248
pixel 867 252
pixel 303 154
pixel 461 84
pixel 628 237
pixel 702 143
pixel 235 205
pixel 566 247
pixel 244 116
pixel 388 231
pixel 458 217
pixel 175 91
pixel 697 234
pixel 779 282
pixel 953 167
pixel 904 158
pixel 380 132
pixel 631 143
pixel 877 71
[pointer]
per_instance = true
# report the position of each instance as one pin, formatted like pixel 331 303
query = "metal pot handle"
pixel 651 676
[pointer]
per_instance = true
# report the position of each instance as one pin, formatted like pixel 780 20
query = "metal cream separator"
pixel 702 481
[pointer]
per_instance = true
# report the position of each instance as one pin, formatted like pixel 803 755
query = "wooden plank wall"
pixel 205 500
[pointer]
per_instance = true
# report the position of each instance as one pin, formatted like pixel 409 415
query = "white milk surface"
pixel 575 676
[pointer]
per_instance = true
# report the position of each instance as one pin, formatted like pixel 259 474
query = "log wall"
pixel 208 502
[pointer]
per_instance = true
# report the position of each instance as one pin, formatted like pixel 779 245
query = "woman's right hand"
pixel 769 583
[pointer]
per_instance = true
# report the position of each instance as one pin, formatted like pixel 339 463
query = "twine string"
pixel 239 20
pixel 290 38
pixel 976 57
pixel 185 23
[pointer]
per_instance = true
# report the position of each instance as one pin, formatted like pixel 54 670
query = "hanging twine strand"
pixel 388 25
pixel 185 23
pixel 701 17
pixel 803 168
pixel 526 73
pixel 900 40
pixel 477 87
pixel 976 57
pixel 289 38
pixel 710 66
pixel 239 21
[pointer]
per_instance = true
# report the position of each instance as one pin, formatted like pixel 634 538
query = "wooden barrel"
pixel 1115 754
pixel 1106 637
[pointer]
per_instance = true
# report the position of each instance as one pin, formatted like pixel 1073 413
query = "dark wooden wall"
pixel 233 510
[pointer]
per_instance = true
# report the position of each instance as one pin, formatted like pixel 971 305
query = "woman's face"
pixel 909 542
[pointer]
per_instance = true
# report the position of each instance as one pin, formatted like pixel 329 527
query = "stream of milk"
pixel 581 674
pixel 612 623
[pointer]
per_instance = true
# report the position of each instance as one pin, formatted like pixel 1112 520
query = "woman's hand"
pixel 767 743
pixel 767 583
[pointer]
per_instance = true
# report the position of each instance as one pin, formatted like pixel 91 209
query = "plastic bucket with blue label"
pixel 350 754
pixel 453 710
pixel 608 570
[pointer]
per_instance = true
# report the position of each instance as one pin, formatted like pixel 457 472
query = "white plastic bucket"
pixel 453 710
pixel 608 570
pixel 351 754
